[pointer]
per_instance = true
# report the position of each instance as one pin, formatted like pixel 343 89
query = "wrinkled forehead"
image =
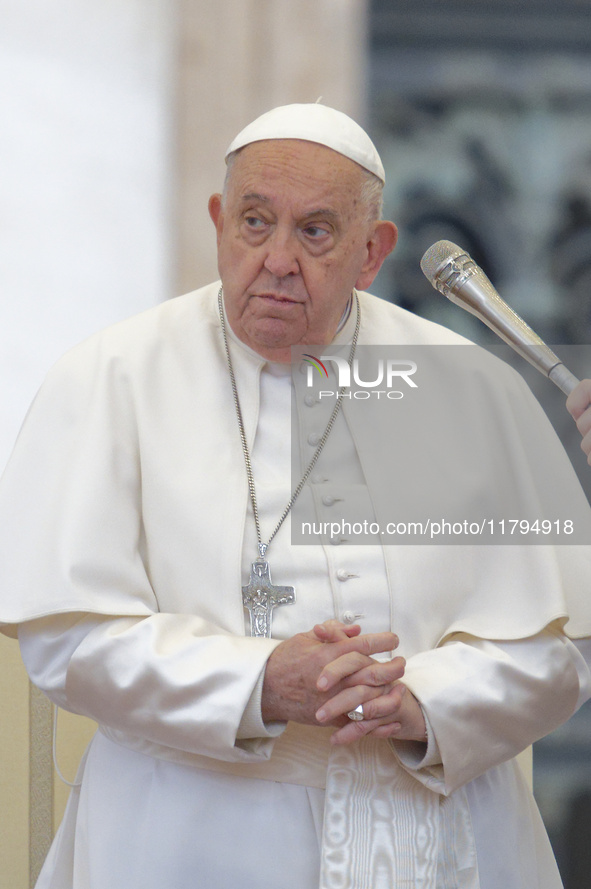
pixel 308 166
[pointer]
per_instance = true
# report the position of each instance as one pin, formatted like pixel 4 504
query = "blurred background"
pixel 114 117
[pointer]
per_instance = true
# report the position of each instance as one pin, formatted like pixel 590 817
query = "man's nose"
pixel 282 254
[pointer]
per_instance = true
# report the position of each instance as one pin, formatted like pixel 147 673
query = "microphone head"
pixel 454 273
pixel 438 256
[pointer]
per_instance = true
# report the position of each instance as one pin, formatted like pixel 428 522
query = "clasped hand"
pixel 316 678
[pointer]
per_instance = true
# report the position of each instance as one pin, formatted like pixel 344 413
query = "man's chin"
pixel 269 336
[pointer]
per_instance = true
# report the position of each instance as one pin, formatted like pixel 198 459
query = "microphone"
pixel 451 271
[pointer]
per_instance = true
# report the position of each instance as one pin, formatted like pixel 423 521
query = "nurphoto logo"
pixel 387 374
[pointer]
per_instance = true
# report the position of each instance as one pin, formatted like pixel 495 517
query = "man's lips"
pixel 278 298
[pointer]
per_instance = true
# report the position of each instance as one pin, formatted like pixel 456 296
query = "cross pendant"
pixel 260 597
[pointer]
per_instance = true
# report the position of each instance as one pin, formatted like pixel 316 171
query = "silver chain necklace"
pixel 260 596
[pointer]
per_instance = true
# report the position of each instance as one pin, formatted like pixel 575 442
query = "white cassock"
pixel 127 535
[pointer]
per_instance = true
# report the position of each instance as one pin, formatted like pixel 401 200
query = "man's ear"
pixel 215 209
pixel 381 243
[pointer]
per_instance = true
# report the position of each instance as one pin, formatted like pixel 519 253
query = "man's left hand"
pixel 394 714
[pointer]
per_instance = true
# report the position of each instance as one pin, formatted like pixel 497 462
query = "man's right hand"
pixel 290 690
pixel 578 404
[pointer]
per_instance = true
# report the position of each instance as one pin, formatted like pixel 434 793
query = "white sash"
pixel 383 829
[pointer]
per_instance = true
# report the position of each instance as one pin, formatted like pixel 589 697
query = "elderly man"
pixel 257 726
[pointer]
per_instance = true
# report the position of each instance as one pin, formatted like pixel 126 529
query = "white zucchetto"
pixel 314 123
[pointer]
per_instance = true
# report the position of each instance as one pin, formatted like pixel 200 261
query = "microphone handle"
pixel 465 284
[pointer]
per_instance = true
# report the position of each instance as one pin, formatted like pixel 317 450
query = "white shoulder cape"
pixel 128 473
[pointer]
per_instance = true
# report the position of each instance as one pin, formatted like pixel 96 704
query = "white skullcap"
pixel 314 123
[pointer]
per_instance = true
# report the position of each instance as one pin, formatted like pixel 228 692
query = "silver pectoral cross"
pixel 261 597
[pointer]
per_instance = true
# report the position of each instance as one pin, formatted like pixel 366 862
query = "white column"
pixel 85 185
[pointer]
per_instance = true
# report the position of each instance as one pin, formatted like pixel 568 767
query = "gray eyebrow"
pixel 320 211
pixel 254 196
